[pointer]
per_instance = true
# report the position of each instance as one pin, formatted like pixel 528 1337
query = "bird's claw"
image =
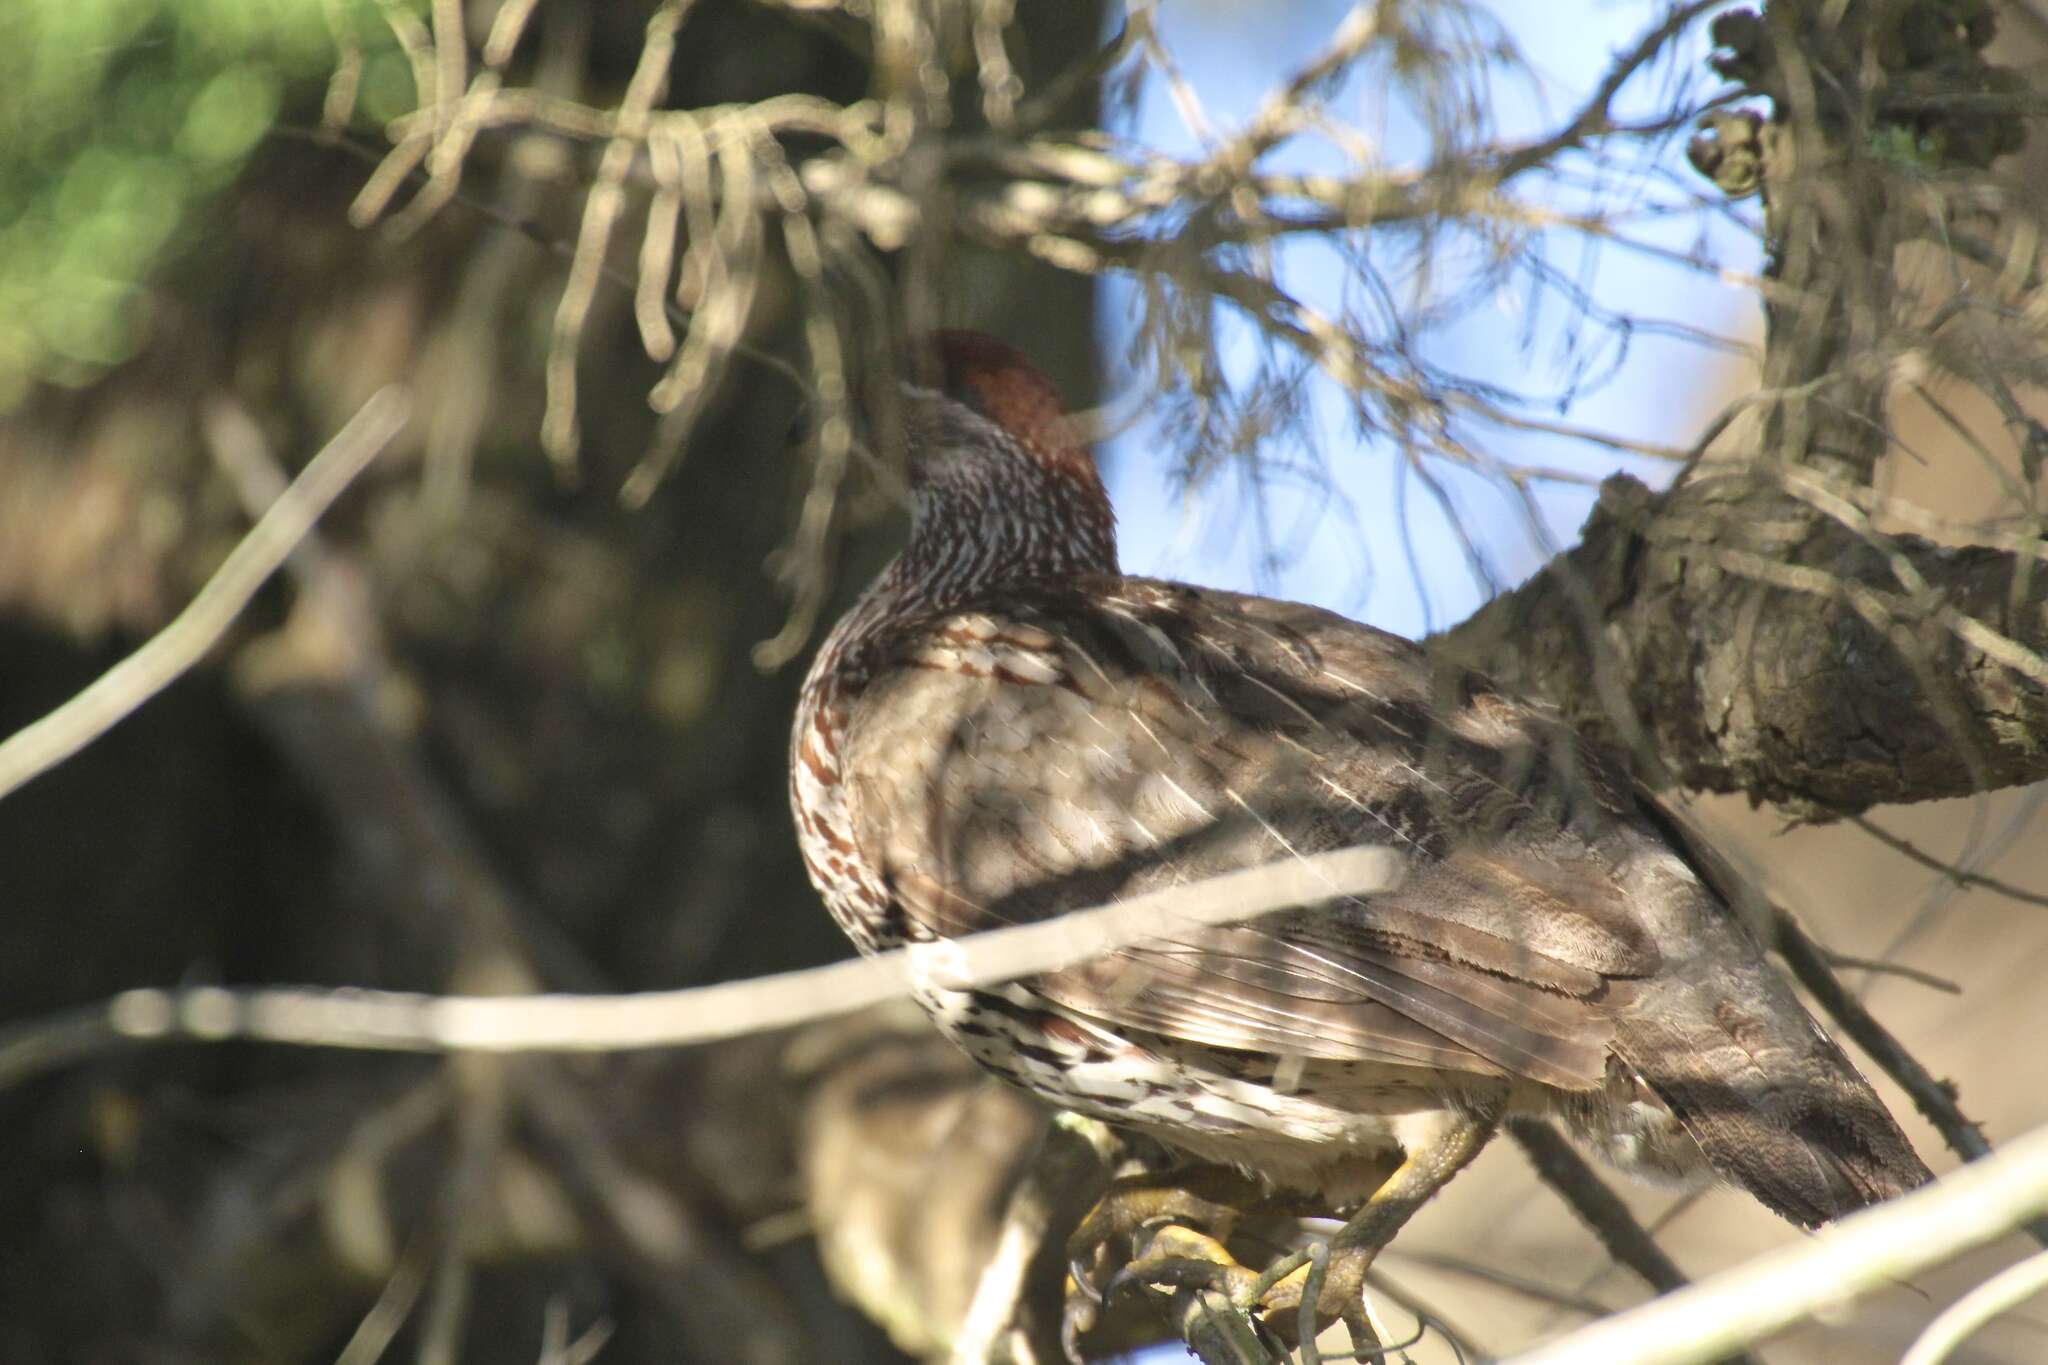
pixel 1174 1227
pixel 1181 1258
pixel 1342 1286
pixel 1139 1233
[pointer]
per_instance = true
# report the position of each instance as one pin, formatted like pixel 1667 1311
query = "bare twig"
pixel 1966 1208
pixel 1935 1099
pixel 507 26
pixel 1958 875
pixel 2002 1292
pixel 97 708
pixel 1067 1174
pixel 1809 964
pixel 558 1349
pixel 408 1021
pixel 1880 967
pixel 374 1334
pixel 680 1262
pixel 1536 1291
pixel 602 207
pixel 318 704
pixel 1594 117
pixel 1215 1331
pixel 480 1121
pixel 1565 1171
pixel 1428 1318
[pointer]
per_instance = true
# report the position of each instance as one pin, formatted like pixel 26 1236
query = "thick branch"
pixel 1771 643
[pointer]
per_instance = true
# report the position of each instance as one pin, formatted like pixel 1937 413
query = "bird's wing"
pixel 1073 747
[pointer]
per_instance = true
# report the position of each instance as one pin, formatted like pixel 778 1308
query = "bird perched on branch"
pixel 1006 728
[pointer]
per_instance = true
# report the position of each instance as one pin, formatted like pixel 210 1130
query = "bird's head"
pixel 1000 492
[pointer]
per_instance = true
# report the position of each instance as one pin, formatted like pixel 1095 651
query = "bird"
pixel 1005 728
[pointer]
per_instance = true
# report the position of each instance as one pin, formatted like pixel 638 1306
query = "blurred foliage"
pixel 562 683
pixel 120 119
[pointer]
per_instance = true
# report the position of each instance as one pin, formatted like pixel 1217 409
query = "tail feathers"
pixel 1771 1100
pixel 1812 1143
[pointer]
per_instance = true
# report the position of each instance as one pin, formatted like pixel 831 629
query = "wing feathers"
pixel 1127 753
pixel 1157 734
pixel 1257 989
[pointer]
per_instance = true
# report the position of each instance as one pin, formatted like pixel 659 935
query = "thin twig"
pixel 480 1120
pixel 533 231
pixel 1597 1206
pixel 602 205
pixel 1879 967
pixel 1070 1171
pixel 108 699
pixel 1216 1333
pixel 1958 875
pixel 375 1333
pixel 1551 1296
pixel 557 1349
pixel 1880 1246
pixel 1600 1209
pixel 414 1022
pixel 1935 1099
pixel 2006 1290
pixel 672 1252
pixel 999 1288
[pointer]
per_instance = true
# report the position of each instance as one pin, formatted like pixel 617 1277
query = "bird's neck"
pixel 966 545
pixel 971 551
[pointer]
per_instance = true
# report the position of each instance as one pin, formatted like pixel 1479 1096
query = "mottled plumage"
pixel 1006 728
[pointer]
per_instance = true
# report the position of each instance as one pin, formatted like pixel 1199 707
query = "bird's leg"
pixel 1423 1171
pixel 1154 1212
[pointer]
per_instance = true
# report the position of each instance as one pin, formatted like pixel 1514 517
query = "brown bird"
pixel 1006 728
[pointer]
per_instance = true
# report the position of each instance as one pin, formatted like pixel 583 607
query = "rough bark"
pixel 1750 631
pixel 1753 643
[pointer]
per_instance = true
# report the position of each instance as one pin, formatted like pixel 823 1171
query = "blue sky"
pixel 1344 548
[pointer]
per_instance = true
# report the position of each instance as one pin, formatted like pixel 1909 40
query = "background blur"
pixel 512 730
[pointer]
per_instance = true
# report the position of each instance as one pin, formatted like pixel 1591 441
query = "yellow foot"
pixel 1182 1258
pixel 1139 1232
pixel 1300 1295
pixel 1206 1197
pixel 1163 1228
pixel 1168 1230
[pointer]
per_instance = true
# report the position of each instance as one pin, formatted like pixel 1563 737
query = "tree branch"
pixel 1772 643
pixel 1598 1207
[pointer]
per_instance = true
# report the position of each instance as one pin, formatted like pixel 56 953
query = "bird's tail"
pixel 1775 1104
